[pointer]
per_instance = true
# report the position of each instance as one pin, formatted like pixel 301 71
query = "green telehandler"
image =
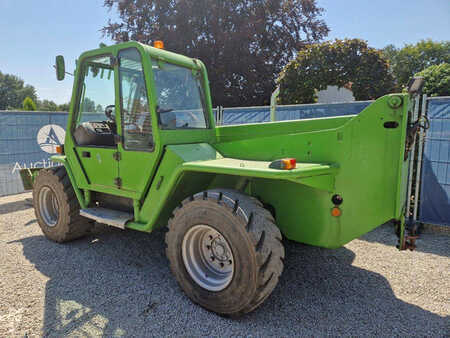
pixel 142 151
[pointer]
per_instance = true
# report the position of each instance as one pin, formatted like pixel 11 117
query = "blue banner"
pixel 243 115
pixel 27 140
pixel 435 180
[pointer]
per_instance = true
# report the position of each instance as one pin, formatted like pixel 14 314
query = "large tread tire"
pixel 255 241
pixel 69 225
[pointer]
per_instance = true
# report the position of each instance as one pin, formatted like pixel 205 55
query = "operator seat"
pixel 94 134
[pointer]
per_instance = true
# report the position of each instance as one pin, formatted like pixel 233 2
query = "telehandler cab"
pixel 142 151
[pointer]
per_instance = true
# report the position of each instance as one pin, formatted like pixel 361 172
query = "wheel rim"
pixel 208 257
pixel 48 206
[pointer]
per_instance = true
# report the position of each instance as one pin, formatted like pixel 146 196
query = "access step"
pixel 107 216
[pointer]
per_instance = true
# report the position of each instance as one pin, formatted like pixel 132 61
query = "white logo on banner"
pixel 49 137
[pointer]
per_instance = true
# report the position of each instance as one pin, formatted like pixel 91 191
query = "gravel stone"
pixel 116 282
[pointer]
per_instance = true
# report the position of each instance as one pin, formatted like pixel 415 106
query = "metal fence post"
pixel 273 103
pixel 411 159
pixel 219 116
pixel 419 159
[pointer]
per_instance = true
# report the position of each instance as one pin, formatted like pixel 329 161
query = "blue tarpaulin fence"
pixel 434 204
pixel 20 147
pixel 310 111
pixel 242 115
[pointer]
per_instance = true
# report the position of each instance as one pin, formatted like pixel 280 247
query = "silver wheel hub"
pixel 48 206
pixel 208 258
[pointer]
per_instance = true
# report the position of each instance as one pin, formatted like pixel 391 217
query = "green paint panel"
pixel 98 165
pixel 135 170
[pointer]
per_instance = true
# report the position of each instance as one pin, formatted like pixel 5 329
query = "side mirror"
pixel 60 68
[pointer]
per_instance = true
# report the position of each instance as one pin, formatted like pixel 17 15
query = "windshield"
pixel 180 103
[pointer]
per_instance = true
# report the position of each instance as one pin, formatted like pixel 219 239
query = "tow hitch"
pixel 409 242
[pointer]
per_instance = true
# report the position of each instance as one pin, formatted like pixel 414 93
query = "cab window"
pixel 136 117
pixel 180 97
pixel 95 122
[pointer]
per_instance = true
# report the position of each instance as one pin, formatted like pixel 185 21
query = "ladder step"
pixel 107 216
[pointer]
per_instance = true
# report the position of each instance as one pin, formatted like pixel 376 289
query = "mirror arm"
pixel 64 72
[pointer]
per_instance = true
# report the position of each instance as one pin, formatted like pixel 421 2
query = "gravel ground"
pixel 118 282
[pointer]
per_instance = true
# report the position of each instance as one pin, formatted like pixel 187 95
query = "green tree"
pixel 13 92
pixel 64 107
pixel 335 63
pixel 244 43
pixel 28 104
pixel 413 58
pixel 47 105
pixel 99 109
pixel 437 80
pixel 88 105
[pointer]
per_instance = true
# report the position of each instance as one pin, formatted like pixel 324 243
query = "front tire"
pixel 225 251
pixel 56 207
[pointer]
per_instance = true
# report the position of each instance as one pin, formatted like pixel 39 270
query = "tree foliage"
pixel 338 63
pixel 47 105
pixel 244 43
pixel 28 104
pixel 13 92
pixel 64 107
pixel 88 105
pixel 437 80
pixel 413 58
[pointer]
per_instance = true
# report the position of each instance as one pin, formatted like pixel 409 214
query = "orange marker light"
pixel 284 164
pixel 158 44
pixel 289 163
pixel 335 212
pixel 59 149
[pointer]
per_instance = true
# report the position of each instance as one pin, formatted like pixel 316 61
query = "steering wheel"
pixel 109 112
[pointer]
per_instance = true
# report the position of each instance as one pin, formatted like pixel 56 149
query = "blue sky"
pixel 33 32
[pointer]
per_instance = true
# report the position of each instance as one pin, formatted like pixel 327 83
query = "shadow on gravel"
pixel 7 208
pixel 433 243
pixel 118 282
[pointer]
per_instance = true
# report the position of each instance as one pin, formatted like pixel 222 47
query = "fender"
pixel 204 164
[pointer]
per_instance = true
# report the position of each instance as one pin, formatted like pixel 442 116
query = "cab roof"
pixel 155 53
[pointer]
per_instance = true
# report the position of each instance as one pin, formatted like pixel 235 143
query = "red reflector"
pixel 284 164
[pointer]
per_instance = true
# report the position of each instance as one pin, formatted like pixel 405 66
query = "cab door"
pixel 138 151
pixel 94 126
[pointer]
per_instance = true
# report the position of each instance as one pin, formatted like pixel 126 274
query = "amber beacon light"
pixel 158 44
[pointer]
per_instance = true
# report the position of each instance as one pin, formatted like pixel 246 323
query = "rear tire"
pixel 249 245
pixel 56 206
